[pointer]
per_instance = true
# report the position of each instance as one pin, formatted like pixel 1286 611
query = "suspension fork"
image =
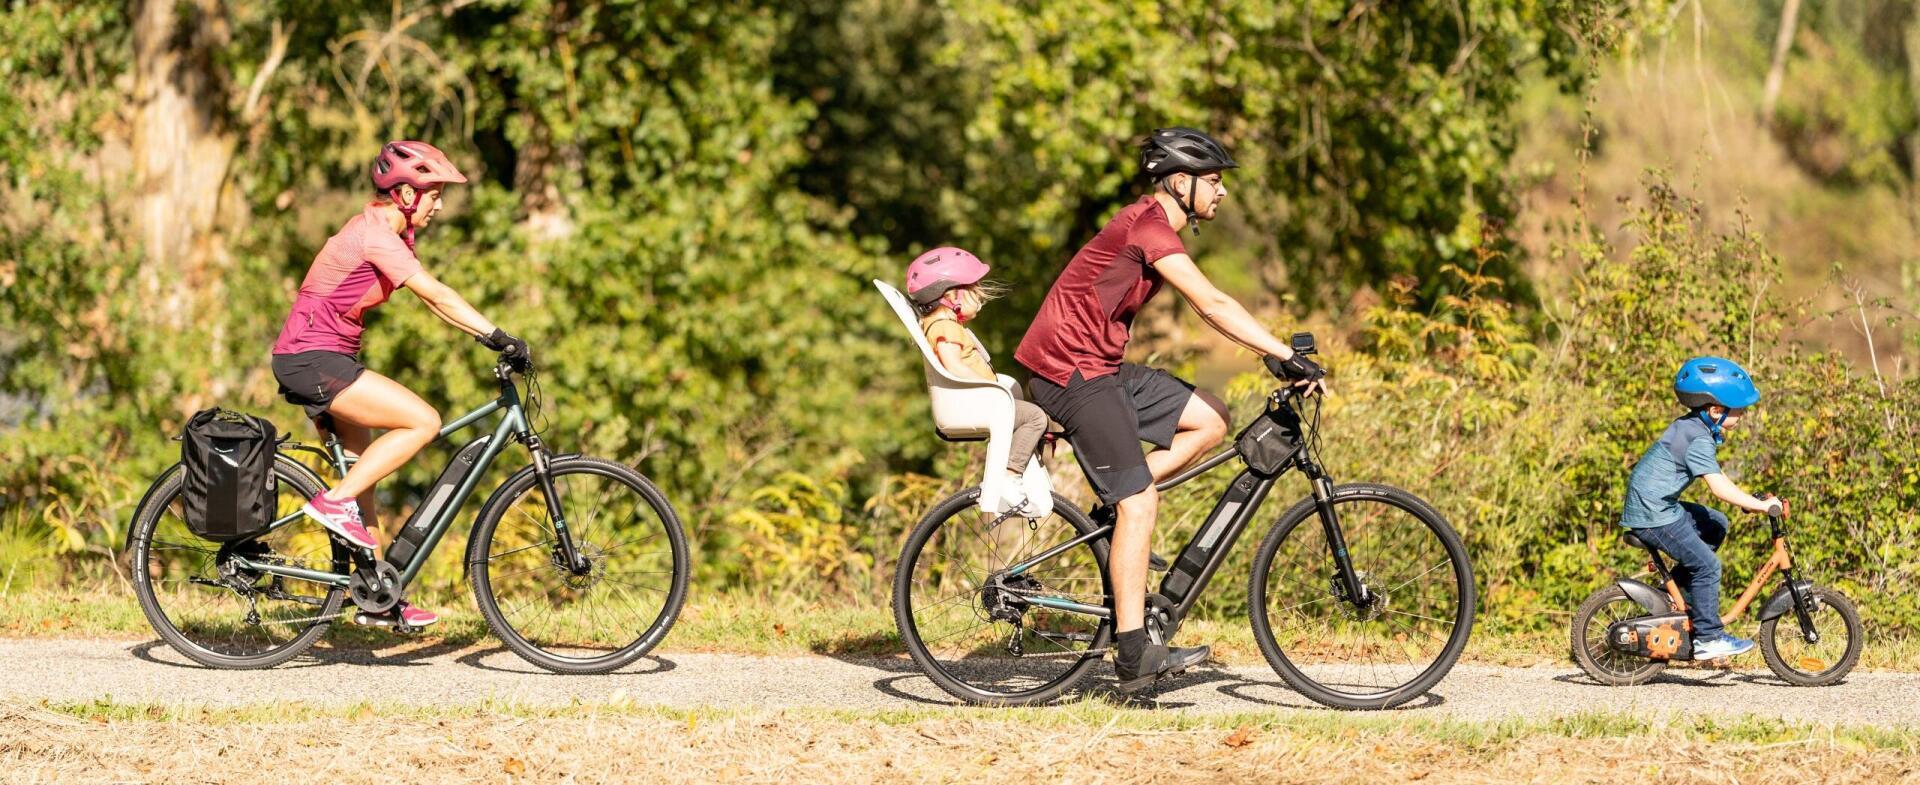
pixel 1357 593
pixel 563 539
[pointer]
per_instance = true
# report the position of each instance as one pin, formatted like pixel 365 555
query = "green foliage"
pixel 681 204
pixel 1372 137
pixel 1529 454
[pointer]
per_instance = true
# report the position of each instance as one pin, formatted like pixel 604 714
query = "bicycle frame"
pixel 513 422
pixel 1211 544
pixel 1781 560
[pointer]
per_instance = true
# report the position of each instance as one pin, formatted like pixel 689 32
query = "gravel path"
pixel 84 670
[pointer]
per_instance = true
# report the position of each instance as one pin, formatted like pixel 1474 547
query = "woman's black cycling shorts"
pixel 312 379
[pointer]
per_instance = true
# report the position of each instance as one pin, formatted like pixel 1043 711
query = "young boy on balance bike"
pixel 1716 392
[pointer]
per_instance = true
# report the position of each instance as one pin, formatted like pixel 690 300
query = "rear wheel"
pixel 1601 610
pixel 221 616
pixel 983 635
pixel 594 621
pixel 1814 664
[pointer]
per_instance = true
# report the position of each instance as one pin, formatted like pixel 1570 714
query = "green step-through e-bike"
pixel 578 564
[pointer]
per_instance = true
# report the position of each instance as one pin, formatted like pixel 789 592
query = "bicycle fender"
pixel 127 541
pixel 1652 599
pixel 1782 601
pixel 473 543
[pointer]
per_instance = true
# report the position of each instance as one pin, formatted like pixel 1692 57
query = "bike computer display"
pixel 1303 343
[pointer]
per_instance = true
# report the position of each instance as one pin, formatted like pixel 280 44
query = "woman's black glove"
pixel 514 349
pixel 1295 369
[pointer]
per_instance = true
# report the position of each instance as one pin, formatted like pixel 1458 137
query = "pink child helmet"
pixel 418 164
pixel 934 272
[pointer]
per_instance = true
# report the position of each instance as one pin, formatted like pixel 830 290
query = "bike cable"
pixel 536 403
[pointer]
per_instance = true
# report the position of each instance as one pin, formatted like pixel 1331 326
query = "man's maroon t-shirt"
pixel 1085 321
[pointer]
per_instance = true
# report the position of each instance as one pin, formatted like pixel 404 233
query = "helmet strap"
pixel 406 213
pixel 953 305
pixel 1193 187
pixel 1714 423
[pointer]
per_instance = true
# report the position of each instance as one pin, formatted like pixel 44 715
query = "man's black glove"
pixel 1295 369
pixel 514 349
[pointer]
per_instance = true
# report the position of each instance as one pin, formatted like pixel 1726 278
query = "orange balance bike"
pixel 1627 633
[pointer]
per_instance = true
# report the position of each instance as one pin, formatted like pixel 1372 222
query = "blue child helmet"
pixel 1711 380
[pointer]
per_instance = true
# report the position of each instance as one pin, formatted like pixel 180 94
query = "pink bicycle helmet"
pixel 934 272
pixel 418 164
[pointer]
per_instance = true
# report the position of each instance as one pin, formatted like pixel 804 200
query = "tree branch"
pixel 276 54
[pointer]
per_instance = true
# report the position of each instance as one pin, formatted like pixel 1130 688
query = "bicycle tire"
pixel 1463 616
pixel 481 559
pixel 957 684
pixel 152 514
pixel 1594 659
pixel 1850 618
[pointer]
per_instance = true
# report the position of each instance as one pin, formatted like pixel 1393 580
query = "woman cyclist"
pixel 316 358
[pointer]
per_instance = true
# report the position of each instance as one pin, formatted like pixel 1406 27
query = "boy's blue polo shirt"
pixel 1685 452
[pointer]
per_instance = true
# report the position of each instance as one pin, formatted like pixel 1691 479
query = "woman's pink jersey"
pixel 357 269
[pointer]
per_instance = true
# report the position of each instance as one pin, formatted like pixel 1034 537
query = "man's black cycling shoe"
pixel 1156 662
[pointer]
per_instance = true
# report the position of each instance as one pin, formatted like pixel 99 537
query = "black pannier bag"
pixel 1268 443
pixel 227 459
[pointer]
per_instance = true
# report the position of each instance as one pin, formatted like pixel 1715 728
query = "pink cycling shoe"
pixel 342 518
pixel 417 617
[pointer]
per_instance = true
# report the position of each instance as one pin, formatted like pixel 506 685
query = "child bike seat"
pixel 974 410
pixel 1634 540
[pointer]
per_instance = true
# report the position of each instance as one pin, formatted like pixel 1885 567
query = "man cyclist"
pixel 1076 349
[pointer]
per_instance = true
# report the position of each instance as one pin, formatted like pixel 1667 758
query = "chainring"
pixel 375 590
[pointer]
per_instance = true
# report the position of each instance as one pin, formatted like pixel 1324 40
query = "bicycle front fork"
pixel 1356 590
pixel 569 555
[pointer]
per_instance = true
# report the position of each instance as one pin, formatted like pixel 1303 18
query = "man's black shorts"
pixel 1107 418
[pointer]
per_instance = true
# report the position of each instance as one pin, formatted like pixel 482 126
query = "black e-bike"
pixel 1361 595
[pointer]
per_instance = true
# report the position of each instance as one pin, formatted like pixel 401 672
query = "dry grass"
pixel 615 744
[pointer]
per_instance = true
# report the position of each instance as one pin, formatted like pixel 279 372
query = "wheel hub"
pixel 1002 598
pixel 1367 610
pixel 596 560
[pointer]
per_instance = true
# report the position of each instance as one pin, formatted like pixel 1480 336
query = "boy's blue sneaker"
pixel 1723 646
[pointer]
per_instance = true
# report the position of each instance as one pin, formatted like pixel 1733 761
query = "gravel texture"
pixel 150 672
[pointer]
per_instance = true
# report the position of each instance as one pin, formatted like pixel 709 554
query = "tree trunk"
pixel 183 143
pixel 1777 72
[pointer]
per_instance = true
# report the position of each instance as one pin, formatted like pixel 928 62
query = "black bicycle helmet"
pixel 1169 151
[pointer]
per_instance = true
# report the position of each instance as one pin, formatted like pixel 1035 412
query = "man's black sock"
pixel 1128 647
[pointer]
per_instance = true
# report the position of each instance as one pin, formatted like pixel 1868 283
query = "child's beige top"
pixel 973 356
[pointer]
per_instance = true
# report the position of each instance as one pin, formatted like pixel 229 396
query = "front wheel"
pixel 1814 664
pixel 566 620
pixel 1404 630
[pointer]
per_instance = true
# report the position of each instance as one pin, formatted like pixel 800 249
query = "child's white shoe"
pixel 1013 496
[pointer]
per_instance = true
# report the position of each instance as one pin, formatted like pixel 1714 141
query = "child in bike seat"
pixel 1716 392
pixel 948 288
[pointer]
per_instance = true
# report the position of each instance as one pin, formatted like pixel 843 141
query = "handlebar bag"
pixel 227 459
pixel 1268 443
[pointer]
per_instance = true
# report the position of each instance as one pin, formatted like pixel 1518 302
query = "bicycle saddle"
pixel 1634 540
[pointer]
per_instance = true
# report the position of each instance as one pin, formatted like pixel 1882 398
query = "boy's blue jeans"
pixel 1692 542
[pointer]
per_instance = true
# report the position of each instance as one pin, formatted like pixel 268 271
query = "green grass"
pixel 1070 715
pixel 739 623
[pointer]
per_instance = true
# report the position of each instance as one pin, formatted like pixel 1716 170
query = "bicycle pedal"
pixel 1156 563
pixel 377 620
